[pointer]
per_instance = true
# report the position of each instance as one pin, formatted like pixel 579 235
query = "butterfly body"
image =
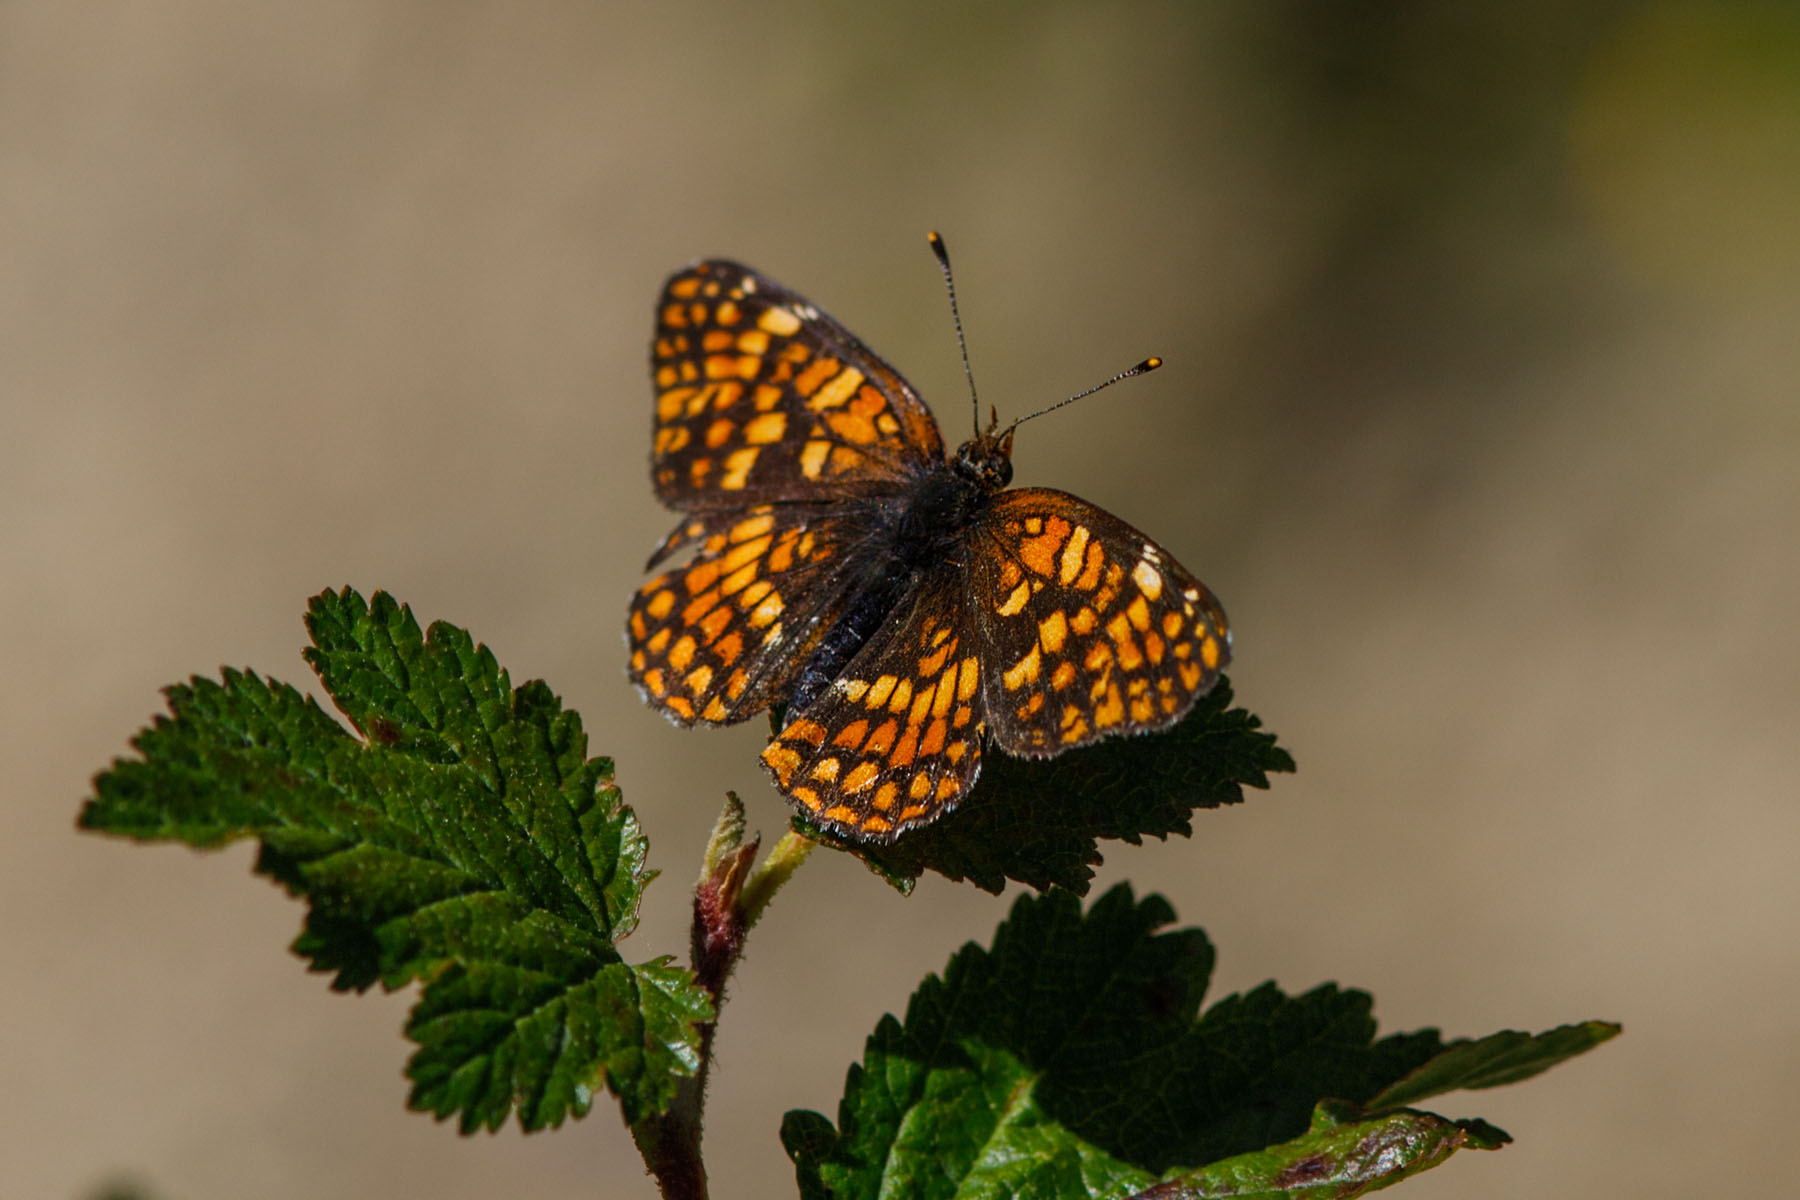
pixel 902 603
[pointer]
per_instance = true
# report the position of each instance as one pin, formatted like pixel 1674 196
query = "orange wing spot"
pixel 1031 707
pixel 1052 631
pixel 801 729
pixel 794 352
pixel 1139 613
pixel 1190 675
pixel 782 556
pixel 808 797
pixel 1090 572
pixel 670 403
pixel 1039 553
pixel 1209 653
pixel 947 789
pixel 638 660
pixel 1119 629
pixel 698 401
pixel 1143 708
pixel 886 423
pixel 727 313
pixel 935 736
pixel 1171 624
pixel 851 736
pixel 685 289
pixel 719 432
pixel 727 648
pixel 955 751
pixel 907 750
pixel 697 312
pixel 715 340
pixel 666 376
pixel 679 706
pixel 1022 672
pixel 873 824
pixel 902 696
pixel 699 679
pixel 655 645
pixel 1009 573
pixel 849 426
pixel 807 382
pixel 826 770
pixel 1111 711
pixel 1131 655
pixel 1063 676
pixel 675 316
pixel 1184 650
pixel 861 777
pixel 1015 603
pixel 884 687
pixel 744 552
pixel 1084 622
pixel 812 458
pixel 945 694
pixel 913 810
pixel 921 705
pixel 737 467
pixel 778 321
pixel 854 689
pixel 932 663
pixel 700 577
pixel 660 604
pixel 753 341
pixel 714 623
pixel 698 470
pixel 689 372
pixel 1074 724
pixel 840 389
pixel 766 612
pixel 767 397
pixel 715 711
pixel 1034 524
pixel 964 714
pixel 920 787
pixel 682 654
pixel 842 813
pixel 751 527
pixel 966 679
pixel 1153 648
pixel 671 438
pixel 734 687
pixel 766 428
pixel 752 595
pixel 885 795
pixel 1069 564
pixel 739 579
pixel 1099 657
pixel 843 459
pixel 882 740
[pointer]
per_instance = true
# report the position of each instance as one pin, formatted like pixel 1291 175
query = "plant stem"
pixel 727 901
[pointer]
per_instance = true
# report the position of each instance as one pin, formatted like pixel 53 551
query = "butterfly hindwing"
pixel 1088 628
pixel 713 641
pixel 895 741
pixel 762 397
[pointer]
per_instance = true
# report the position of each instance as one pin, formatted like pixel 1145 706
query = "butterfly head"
pixel 987 457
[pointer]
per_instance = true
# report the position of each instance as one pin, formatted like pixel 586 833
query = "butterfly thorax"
pixel 914 530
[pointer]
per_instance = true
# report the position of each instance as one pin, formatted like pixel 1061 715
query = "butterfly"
pixel 900 603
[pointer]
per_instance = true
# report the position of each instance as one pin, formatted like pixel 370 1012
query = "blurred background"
pixel 1482 331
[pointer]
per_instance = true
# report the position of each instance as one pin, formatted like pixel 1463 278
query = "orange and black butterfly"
pixel 899 601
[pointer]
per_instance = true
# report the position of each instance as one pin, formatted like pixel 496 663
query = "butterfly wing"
pixel 1087 628
pixel 895 741
pixel 761 397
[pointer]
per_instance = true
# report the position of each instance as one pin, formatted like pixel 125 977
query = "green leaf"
pixel 465 841
pixel 1072 1059
pixel 1037 821
pixel 1343 1154
pixel 1499 1058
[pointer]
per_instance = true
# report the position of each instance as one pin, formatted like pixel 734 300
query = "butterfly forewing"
pixel 1087 627
pixel 761 397
pixel 895 741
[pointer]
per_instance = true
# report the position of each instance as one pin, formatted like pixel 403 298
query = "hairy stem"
pixel 727 901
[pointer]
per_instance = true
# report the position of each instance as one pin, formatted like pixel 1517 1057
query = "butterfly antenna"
pixel 943 256
pixel 1144 368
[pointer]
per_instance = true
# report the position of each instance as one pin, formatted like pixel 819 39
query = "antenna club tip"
pixel 1150 364
pixel 937 246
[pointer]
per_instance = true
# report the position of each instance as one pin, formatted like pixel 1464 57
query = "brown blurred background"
pixel 1480 414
